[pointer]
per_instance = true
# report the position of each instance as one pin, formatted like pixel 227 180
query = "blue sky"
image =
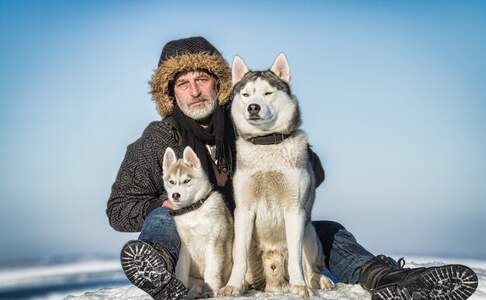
pixel 392 95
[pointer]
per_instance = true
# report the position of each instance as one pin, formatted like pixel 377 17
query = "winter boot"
pixel 388 279
pixel 151 268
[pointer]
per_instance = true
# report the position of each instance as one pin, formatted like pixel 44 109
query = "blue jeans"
pixel 159 227
pixel 344 256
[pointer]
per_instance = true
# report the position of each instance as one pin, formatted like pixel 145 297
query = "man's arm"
pixel 133 195
pixel 138 187
pixel 317 167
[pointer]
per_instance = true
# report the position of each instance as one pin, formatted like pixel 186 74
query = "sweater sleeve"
pixel 138 187
pixel 317 167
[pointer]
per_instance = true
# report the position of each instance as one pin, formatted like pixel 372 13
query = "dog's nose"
pixel 176 196
pixel 253 108
pixel 273 267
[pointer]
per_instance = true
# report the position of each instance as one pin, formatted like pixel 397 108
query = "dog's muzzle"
pixel 254 110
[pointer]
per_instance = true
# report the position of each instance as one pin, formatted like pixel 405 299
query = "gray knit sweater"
pixel 139 186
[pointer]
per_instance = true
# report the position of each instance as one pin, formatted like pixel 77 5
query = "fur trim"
pixel 213 63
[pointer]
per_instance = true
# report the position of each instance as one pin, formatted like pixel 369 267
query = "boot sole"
pixel 146 269
pixel 450 282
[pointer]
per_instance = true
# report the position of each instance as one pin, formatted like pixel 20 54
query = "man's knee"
pixel 326 231
pixel 158 213
pixel 328 228
pixel 159 226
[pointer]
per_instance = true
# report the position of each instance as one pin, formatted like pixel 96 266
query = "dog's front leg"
pixel 213 267
pixel 294 230
pixel 243 231
pixel 183 266
pixel 313 260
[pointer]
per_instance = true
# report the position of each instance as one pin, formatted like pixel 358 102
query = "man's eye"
pixel 182 85
pixel 268 93
pixel 186 181
pixel 245 95
pixel 171 181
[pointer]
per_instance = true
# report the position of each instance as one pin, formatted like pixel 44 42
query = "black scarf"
pixel 219 133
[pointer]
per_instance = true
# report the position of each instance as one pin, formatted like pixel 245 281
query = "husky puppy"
pixel 204 224
pixel 274 186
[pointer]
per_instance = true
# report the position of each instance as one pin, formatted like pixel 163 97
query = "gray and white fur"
pixel 206 233
pixel 274 188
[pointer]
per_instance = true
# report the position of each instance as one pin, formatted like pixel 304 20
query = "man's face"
pixel 195 93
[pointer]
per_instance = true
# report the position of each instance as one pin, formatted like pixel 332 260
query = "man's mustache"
pixel 198 99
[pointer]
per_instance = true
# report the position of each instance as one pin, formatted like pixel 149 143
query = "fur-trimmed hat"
pixel 194 53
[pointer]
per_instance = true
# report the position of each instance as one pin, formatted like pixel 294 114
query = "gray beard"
pixel 200 113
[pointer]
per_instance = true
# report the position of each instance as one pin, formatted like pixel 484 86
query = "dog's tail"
pixel 275 270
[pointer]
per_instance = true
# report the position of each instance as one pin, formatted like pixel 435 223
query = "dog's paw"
pixel 319 281
pixel 194 293
pixel 210 290
pixel 230 291
pixel 281 287
pixel 302 290
pixel 206 294
pixel 325 283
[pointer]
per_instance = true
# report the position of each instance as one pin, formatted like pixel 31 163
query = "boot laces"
pixel 401 262
pixel 392 263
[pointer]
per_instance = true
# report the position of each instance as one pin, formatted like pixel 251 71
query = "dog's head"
pixel 261 100
pixel 184 180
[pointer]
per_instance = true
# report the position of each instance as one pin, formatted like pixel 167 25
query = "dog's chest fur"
pixel 210 223
pixel 270 175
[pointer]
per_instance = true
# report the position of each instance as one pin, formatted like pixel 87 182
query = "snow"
pixel 56 281
pixel 103 279
pixel 342 291
pixel 26 276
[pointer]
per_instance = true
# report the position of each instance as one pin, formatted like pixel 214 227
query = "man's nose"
pixel 195 91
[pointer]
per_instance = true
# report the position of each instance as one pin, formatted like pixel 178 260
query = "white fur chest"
pixel 193 225
pixel 272 177
pixel 210 223
pixel 193 231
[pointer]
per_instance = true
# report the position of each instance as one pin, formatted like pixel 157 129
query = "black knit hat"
pixel 194 53
pixel 196 44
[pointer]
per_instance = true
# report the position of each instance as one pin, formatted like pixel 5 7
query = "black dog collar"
pixel 270 139
pixel 194 206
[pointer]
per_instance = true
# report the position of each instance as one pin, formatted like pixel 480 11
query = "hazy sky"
pixel 393 95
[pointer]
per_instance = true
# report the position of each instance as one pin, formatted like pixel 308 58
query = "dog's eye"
pixel 171 181
pixel 268 93
pixel 187 181
pixel 245 95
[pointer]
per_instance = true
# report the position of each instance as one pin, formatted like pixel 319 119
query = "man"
pixel 190 88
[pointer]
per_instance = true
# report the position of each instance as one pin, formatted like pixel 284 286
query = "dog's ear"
pixel 239 69
pixel 190 158
pixel 281 67
pixel 169 159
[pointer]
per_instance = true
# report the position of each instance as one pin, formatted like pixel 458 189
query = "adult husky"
pixel 274 184
pixel 203 222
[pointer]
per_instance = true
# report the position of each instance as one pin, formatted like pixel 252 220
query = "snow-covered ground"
pixel 103 279
pixel 58 280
